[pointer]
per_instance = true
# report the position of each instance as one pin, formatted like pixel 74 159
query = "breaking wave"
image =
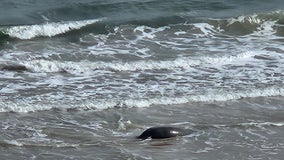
pixel 88 66
pixel 44 30
pixel 255 24
pixel 210 96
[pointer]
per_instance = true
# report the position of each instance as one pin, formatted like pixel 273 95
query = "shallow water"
pixel 244 129
pixel 80 80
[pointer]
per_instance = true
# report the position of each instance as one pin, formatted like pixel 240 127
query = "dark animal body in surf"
pixel 163 132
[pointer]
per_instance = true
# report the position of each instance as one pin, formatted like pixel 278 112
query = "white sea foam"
pixel 229 59
pixel 44 66
pixel 180 33
pixel 47 29
pixel 205 28
pixel 79 67
pixel 263 124
pixel 13 143
pixel 87 66
pixel 257 18
pixel 265 23
pixel 43 142
pixel 266 29
pixel 149 32
pixel 210 96
pixel 253 19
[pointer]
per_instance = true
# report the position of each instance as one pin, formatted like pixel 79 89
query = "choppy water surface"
pixel 250 129
pixel 81 80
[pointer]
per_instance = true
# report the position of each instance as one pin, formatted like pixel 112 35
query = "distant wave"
pixel 44 30
pixel 256 24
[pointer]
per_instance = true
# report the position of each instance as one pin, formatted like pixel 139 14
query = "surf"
pixel 48 29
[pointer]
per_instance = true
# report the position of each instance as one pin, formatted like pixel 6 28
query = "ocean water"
pixel 81 79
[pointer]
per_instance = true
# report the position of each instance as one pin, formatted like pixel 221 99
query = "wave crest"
pixel 256 24
pixel 45 30
pixel 88 66
pixel 210 96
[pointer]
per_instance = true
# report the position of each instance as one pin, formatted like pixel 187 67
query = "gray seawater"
pixel 79 80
